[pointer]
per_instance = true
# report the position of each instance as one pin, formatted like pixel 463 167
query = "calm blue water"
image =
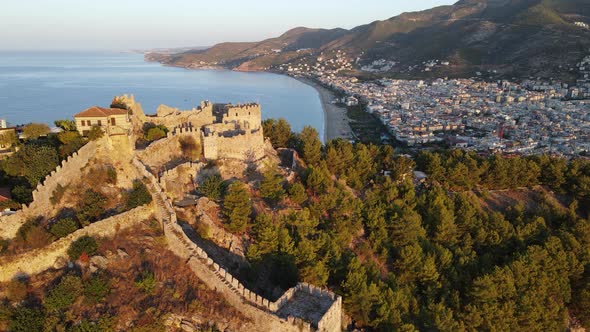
pixel 43 87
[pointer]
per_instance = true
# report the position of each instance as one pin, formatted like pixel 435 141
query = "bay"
pixel 46 86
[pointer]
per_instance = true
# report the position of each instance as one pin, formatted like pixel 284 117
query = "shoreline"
pixel 336 121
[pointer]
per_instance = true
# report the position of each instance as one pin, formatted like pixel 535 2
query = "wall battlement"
pixel 267 312
pixel 63 175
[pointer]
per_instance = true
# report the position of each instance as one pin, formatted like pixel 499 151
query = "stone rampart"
pixel 246 115
pixel 39 260
pixel 64 174
pixel 332 319
pixel 159 152
pixel 248 146
pixel 261 310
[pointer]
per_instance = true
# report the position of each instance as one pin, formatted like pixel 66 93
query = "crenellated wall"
pixel 64 174
pixel 261 310
pixel 39 260
pixel 246 115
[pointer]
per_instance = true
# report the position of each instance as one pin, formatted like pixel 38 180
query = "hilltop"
pixel 513 37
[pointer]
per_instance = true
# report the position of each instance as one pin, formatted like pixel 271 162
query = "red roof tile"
pixel 96 111
pixel 5 194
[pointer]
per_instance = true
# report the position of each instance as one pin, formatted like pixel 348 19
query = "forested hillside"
pixel 435 255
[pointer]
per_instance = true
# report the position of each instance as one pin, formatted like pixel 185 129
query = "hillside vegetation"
pixel 485 243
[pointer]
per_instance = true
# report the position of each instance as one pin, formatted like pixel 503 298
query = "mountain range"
pixel 512 37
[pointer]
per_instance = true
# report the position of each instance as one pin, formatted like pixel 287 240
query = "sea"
pixel 46 86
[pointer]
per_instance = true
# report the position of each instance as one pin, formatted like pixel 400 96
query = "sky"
pixel 145 24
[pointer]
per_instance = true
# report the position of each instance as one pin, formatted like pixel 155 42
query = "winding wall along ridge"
pixel 262 311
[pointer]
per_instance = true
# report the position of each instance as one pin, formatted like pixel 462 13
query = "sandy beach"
pixel 335 119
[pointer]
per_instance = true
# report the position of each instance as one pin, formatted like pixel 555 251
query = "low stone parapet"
pixel 39 260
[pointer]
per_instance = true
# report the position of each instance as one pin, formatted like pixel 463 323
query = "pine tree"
pixel 311 145
pixel 271 187
pixel 237 207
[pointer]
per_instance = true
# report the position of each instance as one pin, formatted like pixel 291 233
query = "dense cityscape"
pixel 534 116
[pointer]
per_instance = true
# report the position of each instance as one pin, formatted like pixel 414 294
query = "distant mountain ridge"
pixel 519 37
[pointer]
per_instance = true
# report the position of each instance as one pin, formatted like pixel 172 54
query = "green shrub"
pixel 96 289
pixel 32 234
pixel 35 130
pixel 27 319
pixel 151 132
pixel 212 187
pixel 95 133
pixel 297 193
pixel 64 227
pixel 146 282
pixel 64 294
pixel 237 207
pixel 111 175
pixel 85 244
pixel 92 206
pixel 138 196
pixel 22 194
pixel 155 134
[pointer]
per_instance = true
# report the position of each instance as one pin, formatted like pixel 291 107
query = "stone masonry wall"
pixel 241 147
pixel 64 174
pixel 249 114
pixel 259 309
pixel 172 117
pixel 39 260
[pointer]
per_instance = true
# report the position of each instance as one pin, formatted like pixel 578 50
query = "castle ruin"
pixel 224 131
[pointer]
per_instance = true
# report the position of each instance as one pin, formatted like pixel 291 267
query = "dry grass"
pixel 178 291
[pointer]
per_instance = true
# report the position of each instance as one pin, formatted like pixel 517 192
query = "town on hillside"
pixel 535 116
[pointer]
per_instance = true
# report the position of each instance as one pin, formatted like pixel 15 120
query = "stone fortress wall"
pixel 264 313
pixel 237 134
pixel 247 116
pixel 39 260
pixel 224 131
pixel 247 146
pixel 63 175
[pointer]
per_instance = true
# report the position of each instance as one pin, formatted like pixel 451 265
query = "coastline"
pixel 336 121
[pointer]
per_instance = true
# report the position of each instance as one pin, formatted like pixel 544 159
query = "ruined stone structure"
pixel 302 308
pixel 173 117
pixel 233 132
pixel 225 131
pixel 236 134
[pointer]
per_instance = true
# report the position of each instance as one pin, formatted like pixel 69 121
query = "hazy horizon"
pixel 67 25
